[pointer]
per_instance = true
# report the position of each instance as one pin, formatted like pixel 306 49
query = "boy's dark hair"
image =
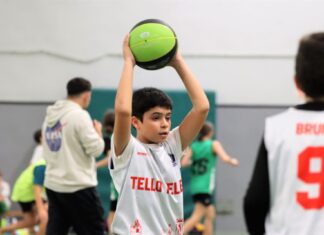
pixel 146 98
pixel 109 121
pixel 77 85
pixel 205 130
pixel 38 136
pixel 310 65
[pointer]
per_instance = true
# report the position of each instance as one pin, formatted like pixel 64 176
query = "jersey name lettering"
pixel 154 185
pixel 310 128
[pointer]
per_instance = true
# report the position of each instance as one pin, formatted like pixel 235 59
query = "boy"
pixel 286 192
pixel 202 156
pixel 108 126
pixel 28 191
pixel 38 151
pixel 146 169
pixel 72 141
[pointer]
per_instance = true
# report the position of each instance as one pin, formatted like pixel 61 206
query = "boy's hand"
pixel 176 60
pixel 127 53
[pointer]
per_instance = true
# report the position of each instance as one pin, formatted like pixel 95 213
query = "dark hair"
pixel 205 130
pixel 310 65
pixel 38 136
pixel 77 85
pixel 146 98
pixel 109 121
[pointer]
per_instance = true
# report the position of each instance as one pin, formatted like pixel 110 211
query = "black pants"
pixel 81 210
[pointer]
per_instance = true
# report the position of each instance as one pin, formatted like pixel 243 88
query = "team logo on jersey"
pixel 173 160
pixel 144 154
pixel 180 226
pixel 136 228
pixel 53 136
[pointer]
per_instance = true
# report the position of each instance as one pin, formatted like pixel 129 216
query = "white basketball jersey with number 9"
pixel 295 143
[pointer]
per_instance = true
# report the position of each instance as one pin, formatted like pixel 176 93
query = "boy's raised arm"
pixel 196 117
pixel 123 101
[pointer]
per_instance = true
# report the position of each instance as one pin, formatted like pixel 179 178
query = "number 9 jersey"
pixel 287 186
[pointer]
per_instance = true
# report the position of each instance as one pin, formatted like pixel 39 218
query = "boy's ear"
pixel 296 83
pixel 299 90
pixel 135 122
pixel 86 96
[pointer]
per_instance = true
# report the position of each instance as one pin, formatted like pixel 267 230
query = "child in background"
pixel 286 191
pixel 28 191
pixel 72 142
pixel 38 151
pixel 108 126
pixel 201 156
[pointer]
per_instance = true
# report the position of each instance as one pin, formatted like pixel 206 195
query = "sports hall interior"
pixel 243 51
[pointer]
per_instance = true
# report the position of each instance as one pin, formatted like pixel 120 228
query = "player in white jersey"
pixel 146 169
pixel 286 192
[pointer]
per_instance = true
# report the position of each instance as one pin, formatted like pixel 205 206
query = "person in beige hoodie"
pixel 72 141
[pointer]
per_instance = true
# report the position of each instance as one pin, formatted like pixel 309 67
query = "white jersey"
pixel 295 143
pixel 148 180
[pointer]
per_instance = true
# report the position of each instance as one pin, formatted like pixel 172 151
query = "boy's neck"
pixel 144 141
pixel 311 99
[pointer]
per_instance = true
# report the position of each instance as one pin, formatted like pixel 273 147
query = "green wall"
pixel 103 99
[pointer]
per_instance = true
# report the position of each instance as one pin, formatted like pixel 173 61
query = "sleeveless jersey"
pixel 148 180
pixel 23 190
pixel 202 167
pixel 294 140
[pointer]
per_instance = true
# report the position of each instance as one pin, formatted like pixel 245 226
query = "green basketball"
pixel 153 44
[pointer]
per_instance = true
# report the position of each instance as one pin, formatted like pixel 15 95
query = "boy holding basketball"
pixel 146 169
pixel 286 193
